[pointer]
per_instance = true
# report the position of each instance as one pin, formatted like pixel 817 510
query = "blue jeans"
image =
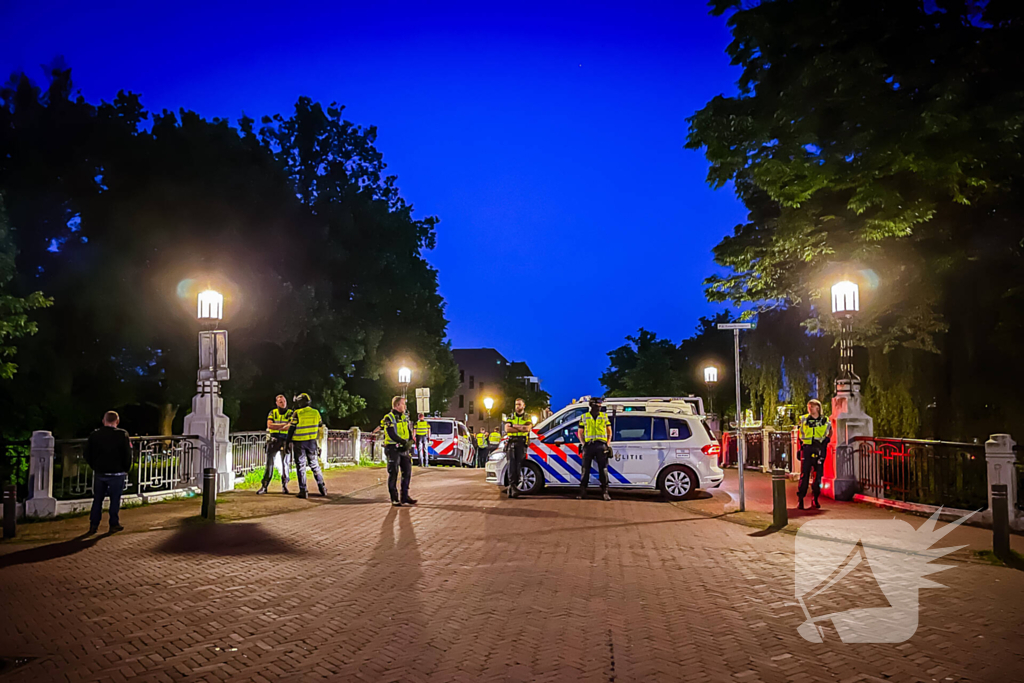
pixel 106 485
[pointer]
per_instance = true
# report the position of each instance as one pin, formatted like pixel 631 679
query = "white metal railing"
pixel 159 463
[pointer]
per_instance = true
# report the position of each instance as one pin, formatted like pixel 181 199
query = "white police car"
pixel 672 452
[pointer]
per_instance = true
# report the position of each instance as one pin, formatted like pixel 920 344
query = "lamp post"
pixel 741 439
pixel 845 305
pixel 404 377
pixel 710 377
pixel 488 404
pixel 213 369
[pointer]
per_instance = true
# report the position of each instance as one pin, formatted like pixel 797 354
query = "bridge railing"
pixel 947 473
pixel 159 463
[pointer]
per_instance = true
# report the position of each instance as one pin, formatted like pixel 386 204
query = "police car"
pixel 450 443
pixel 673 452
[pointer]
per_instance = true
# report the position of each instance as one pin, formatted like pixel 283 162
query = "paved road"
pixel 468 586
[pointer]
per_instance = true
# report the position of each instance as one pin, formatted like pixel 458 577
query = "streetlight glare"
pixel 845 297
pixel 211 305
pixel 533 419
pixel 710 374
pixel 488 403
pixel 404 375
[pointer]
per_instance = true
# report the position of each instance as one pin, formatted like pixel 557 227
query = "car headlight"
pixel 497 455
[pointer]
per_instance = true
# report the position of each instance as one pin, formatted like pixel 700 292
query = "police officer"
pixel 815 433
pixel 397 444
pixel 518 429
pixel 278 426
pixel 494 439
pixel 594 432
pixel 481 448
pixel 307 424
pixel 423 440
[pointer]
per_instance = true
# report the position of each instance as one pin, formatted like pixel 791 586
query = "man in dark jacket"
pixel 109 454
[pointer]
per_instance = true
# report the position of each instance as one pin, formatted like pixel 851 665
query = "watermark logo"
pixel 875 567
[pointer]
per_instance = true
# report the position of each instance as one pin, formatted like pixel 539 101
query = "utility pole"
pixel 741 440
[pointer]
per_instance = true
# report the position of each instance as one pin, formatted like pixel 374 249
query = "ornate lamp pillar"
pixel 207 418
pixel 848 417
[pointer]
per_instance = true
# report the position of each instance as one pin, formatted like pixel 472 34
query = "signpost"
pixel 423 400
pixel 741 441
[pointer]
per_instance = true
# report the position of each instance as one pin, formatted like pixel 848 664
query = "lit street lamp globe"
pixel 404 375
pixel 845 298
pixel 211 305
pixel 710 374
pixel 488 403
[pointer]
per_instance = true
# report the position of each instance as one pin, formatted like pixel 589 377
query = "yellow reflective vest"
pixel 278 415
pixel 519 420
pixel 813 428
pixel 307 424
pixel 595 428
pixel 495 437
pixel 481 439
pixel 401 425
pixel 422 428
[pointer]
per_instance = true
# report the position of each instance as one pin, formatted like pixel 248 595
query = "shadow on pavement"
pixel 51 551
pixel 766 532
pixel 226 540
pixel 501 512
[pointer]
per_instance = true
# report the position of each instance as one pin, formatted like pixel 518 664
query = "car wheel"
pixel 678 482
pixel 531 480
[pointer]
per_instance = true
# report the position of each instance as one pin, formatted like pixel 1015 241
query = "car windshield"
pixel 442 428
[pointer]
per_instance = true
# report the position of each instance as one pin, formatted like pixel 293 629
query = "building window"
pixel 471 411
pixel 481 386
pixel 462 376
pixel 481 417
pixel 461 397
pixel 471 379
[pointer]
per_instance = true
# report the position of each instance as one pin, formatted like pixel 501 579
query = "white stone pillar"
pixel 766 444
pixel 1000 460
pixel 356 445
pixel 848 421
pixel 198 423
pixel 41 502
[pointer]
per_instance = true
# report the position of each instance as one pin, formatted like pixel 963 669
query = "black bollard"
pixel 10 511
pixel 1000 523
pixel 780 515
pixel 210 493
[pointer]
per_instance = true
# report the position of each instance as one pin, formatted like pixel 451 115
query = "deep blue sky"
pixel 546 136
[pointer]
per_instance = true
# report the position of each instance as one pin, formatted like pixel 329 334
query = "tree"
pixel 512 387
pixel 881 140
pixel 14 318
pixel 645 366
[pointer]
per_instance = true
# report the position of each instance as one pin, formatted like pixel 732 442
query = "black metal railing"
pixel 159 463
pixel 946 473
pixel 754 456
pixel 14 463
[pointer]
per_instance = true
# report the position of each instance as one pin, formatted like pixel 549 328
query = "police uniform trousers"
pixel 398 460
pixel 423 446
pixel 306 456
pixel 594 451
pixel 812 456
pixel 275 445
pixel 516 453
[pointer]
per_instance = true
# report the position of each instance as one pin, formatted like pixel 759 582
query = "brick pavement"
pixel 469 586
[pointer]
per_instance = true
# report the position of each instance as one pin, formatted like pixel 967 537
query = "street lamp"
pixel 213 369
pixel 488 404
pixel 533 419
pixel 710 377
pixel 404 377
pixel 845 305
pixel 211 306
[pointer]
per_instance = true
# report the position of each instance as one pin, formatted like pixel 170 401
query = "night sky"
pixel 547 137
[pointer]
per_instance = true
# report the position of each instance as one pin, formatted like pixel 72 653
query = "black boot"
pixel 815 504
pixel 323 490
pixel 284 489
pixel 408 501
pixel 800 505
pixel 303 494
pixel 263 489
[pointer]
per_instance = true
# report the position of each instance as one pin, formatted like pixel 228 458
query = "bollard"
pixel 210 493
pixel 780 515
pixel 10 511
pixel 1000 523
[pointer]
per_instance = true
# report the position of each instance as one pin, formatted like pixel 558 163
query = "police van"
pixel 450 443
pixel 673 452
pixel 682 405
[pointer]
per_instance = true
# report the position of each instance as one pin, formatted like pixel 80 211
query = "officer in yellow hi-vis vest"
pixel 815 433
pixel 517 428
pixel 423 440
pixel 481 448
pixel 278 426
pixel 595 432
pixel 307 424
pixel 494 439
pixel 397 444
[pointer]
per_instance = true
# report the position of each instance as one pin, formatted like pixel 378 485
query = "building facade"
pixel 482 374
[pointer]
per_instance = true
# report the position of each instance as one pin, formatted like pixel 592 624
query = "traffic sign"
pixel 735 326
